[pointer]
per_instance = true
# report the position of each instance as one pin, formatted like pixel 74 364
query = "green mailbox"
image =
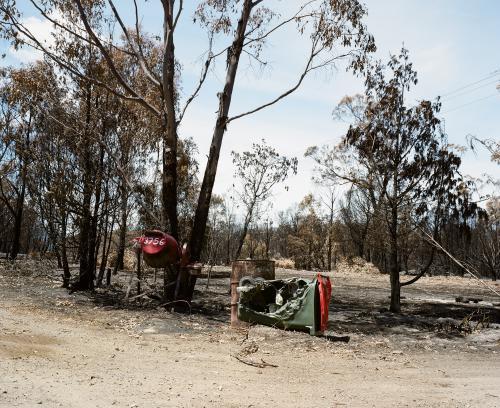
pixel 292 304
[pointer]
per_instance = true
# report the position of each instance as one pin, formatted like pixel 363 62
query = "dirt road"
pixel 71 352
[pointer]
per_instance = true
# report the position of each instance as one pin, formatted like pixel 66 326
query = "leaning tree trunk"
pixel 201 214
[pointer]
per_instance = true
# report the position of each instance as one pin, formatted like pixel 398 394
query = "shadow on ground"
pixel 446 319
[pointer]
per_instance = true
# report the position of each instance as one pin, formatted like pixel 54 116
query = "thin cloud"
pixel 40 28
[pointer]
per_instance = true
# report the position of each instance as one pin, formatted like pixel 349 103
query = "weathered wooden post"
pixel 256 268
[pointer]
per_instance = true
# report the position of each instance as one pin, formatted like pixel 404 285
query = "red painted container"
pixel 159 249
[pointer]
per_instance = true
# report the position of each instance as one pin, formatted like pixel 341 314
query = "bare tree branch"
pixel 459 263
pixel 176 19
pixel 98 139
pixel 296 16
pixel 74 33
pixel 203 77
pixel 137 54
pixel 139 43
pixel 308 68
pixel 37 45
pixel 109 60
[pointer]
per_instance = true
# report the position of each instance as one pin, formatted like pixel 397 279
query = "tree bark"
pixel 85 276
pixel 64 255
pixel 85 281
pixel 201 214
pixel 330 238
pixel 394 276
pixel 394 264
pixel 228 245
pixel 123 228
pixel 93 241
pixel 243 235
pixel 18 219
pixel 18 216
pixel 169 124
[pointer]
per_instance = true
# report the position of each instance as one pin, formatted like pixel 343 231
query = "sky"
pixel 453 44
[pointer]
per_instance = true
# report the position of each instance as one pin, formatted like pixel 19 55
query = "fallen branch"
pixel 262 364
pixel 459 263
pixel 139 296
pixel 245 338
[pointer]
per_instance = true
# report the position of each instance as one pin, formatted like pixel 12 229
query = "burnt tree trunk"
pixel 228 244
pixel 106 230
pixel 18 219
pixel 64 255
pixel 123 227
pixel 93 239
pixel 85 281
pixel 18 216
pixel 394 276
pixel 169 124
pixel 243 235
pixel 233 57
pixel 394 260
pixel 85 275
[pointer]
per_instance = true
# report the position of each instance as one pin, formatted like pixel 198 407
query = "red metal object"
pixel 159 249
pixel 325 294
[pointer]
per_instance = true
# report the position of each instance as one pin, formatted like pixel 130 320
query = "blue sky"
pixel 452 44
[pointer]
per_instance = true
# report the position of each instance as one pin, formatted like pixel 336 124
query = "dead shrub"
pixel 285 263
pixel 356 265
pixel 128 259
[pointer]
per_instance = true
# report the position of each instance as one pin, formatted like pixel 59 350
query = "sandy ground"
pixel 79 350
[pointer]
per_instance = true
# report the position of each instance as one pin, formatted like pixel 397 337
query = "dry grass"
pixel 285 263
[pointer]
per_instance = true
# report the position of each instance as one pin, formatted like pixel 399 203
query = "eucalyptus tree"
pixel 485 254
pixel 399 154
pixel 334 28
pixel 20 89
pixel 307 244
pixel 356 213
pixel 259 170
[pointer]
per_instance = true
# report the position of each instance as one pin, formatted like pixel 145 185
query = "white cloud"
pixel 41 30
pixel 289 132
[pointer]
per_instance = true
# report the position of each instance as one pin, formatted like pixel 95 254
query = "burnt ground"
pixel 107 350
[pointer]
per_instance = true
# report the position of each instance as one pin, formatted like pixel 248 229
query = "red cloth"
pixel 325 294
